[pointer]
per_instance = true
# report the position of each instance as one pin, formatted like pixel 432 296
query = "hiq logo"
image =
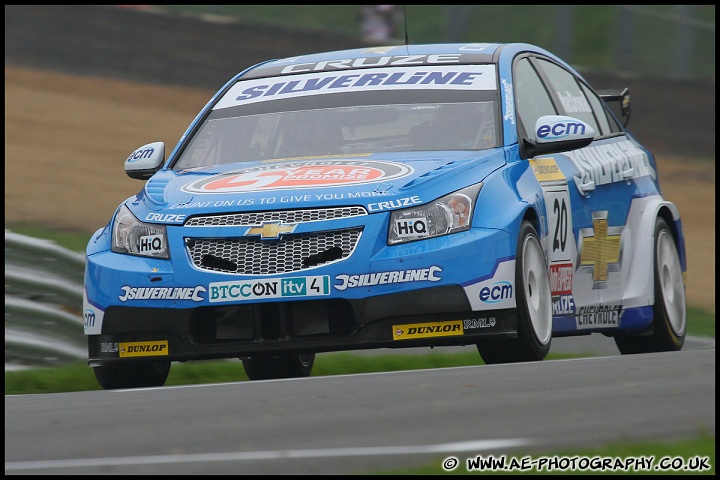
pixel 89 317
pixel 408 227
pixel 140 154
pixel 496 292
pixel 151 243
pixel 561 129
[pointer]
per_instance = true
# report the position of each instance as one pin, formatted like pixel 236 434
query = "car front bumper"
pixel 434 292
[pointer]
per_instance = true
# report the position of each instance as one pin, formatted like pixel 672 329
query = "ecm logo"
pixel 140 154
pixel 496 292
pixel 560 129
pixel 89 318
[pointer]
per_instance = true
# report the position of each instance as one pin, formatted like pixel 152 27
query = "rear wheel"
pixel 668 328
pixel 534 306
pixel 284 366
pixel 132 375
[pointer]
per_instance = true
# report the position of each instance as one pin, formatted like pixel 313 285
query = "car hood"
pixel 311 182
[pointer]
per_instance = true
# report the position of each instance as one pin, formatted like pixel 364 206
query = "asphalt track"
pixel 595 344
pixel 353 424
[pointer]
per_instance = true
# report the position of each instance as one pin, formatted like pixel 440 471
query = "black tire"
pixel 534 306
pixel 132 375
pixel 667 332
pixel 285 366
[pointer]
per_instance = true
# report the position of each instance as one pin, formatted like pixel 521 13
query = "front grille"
pixel 252 256
pixel 291 253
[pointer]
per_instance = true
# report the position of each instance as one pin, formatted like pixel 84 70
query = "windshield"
pixel 346 123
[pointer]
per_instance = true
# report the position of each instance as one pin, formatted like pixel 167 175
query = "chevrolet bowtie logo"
pixel 271 230
pixel 601 248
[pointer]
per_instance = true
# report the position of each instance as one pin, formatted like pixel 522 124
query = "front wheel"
pixel 668 328
pixel 132 375
pixel 284 366
pixel 534 306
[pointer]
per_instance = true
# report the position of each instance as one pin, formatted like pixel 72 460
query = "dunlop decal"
pixel 427 330
pixel 547 172
pixel 144 349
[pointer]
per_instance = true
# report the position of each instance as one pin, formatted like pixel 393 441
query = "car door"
pixel 587 194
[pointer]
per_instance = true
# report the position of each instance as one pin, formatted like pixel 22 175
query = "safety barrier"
pixel 43 303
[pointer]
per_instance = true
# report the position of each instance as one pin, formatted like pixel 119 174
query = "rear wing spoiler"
pixel 623 99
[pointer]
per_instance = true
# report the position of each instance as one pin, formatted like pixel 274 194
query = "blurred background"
pixel 665 54
pixel 665 41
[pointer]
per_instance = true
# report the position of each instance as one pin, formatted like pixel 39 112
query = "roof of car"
pixel 399 55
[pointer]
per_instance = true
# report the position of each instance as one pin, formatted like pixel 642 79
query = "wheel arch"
pixel 669 212
pixel 639 291
pixel 532 216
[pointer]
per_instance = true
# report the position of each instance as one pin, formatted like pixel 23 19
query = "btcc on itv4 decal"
pixel 405 196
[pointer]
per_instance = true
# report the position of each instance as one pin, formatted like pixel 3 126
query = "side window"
pixel 532 100
pixel 606 121
pixel 571 95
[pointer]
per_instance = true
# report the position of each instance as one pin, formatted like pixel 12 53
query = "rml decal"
pixel 239 290
pixel 143 349
pixel 300 175
pixel 425 330
pixel 109 347
pixel 436 77
pixel 478 323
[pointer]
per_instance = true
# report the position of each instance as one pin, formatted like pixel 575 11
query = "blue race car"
pixel 416 195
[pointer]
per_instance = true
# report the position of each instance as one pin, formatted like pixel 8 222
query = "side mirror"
pixel 558 133
pixel 145 161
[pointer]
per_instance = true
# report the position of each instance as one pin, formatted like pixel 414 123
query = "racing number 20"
pixel 560 224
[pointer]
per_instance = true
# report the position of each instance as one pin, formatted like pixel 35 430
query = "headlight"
pixel 133 237
pixel 449 214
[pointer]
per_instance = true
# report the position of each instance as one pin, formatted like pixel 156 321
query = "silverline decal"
pixel 384 278
pixel 278 88
pixel 162 293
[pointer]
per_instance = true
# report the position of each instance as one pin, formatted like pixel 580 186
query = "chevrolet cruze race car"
pixel 417 195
